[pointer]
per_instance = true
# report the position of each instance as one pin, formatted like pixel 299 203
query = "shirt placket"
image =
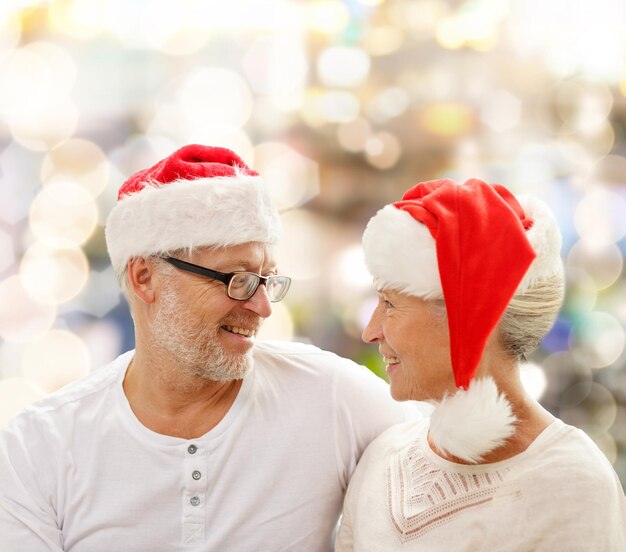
pixel 194 494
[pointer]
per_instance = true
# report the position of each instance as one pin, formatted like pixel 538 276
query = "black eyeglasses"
pixel 240 285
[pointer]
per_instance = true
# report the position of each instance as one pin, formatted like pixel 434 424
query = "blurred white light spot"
pixel 15 394
pixel 420 18
pixel 171 121
pixel 278 326
pixel 104 340
pixel 277 66
pixel 53 276
pixel 603 263
pixel 326 16
pixel 46 126
pixel 383 40
pixel 63 214
pixel 354 135
pixel 468 158
pixel 34 100
pixel 609 170
pixel 338 107
pixel 157 23
pixel 35 77
pixel 291 178
pixel 351 269
pixel 310 108
pixel 343 66
pixel 390 103
pixel 55 359
pixel 21 317
pixel 583 105
pixel 78 18
pixel 469 27
pixel 578 157
pixel 600 340
pixel 7 251
pixel 501 110
pixel 230 137
pixel 533 379
pixel 383 150
pixel 10 358
pixel 216 95
pixel 599 217
pixel 598 142
pixel 581 291
pixel 79 161
pixel 301 250
pixel 183 41
pixel 450 33
pixel 10 29
pixel 366 310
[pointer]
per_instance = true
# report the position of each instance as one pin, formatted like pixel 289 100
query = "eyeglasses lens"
pixel 277 288
pixel 243 285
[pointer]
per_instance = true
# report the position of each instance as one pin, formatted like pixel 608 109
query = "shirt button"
pixel 191 449
pixel 194 500
pixel 196 475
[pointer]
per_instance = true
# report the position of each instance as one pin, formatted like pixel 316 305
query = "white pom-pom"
pixel 472 422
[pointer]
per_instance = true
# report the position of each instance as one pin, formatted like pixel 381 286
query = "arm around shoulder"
pixel 27 517
pixel 367 400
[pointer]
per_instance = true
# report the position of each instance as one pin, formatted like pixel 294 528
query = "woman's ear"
pixel 141 279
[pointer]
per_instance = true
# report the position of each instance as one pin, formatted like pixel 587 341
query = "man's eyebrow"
pixel 247 265
pixel 240 262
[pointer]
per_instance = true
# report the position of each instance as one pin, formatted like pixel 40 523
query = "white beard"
pixel 194 345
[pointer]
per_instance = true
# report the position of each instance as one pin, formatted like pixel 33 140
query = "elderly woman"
pixel 469 280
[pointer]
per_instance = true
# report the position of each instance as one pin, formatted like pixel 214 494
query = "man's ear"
pixel 141 279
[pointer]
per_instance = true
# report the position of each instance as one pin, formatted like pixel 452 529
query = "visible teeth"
pixel 390 360
pixel 242 331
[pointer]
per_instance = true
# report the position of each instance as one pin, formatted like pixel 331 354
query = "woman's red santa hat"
pixel 197 196
pixel 474 245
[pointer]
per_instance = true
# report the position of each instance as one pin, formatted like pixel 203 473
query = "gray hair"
pixel 121 275
pixel 529 316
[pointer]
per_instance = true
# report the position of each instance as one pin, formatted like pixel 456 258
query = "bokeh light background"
pixel 341 105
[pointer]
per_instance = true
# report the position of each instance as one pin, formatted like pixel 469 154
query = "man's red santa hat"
pixel 198 196
pixel 474 245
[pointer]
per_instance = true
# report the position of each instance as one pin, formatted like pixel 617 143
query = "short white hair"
pixel 122 273
pixel 531 315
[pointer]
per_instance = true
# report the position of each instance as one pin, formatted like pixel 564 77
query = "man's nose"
pixel 260 303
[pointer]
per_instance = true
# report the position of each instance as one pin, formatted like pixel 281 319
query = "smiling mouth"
pixel 390 360
pixel 240 331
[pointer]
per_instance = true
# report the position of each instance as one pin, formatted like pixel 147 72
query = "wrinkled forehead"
pixel 253 256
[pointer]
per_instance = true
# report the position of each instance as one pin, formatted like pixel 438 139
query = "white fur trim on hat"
pixel 472 422
pixel 400 252
pixel 218 211
pixel 545 238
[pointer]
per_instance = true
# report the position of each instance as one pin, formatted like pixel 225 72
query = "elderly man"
pixel 199 439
